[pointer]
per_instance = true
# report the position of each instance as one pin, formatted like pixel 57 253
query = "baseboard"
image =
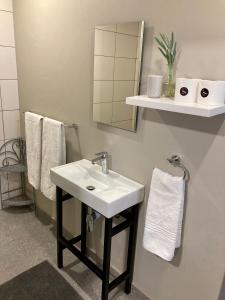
pixel 44 217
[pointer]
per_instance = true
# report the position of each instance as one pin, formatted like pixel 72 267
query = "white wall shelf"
pixel 178 107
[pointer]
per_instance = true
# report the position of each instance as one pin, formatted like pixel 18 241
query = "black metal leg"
pixel 132 248
pixel 106 258
pixel 83 228
pixel 59 226
pixel 131 217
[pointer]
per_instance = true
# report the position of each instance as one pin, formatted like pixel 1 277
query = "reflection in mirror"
pixel 117 64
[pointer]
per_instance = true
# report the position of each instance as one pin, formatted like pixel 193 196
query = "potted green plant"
pixel 168 47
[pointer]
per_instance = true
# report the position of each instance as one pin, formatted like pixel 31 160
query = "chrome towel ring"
pixel 175 160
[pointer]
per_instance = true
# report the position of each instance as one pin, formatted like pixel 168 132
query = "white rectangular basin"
pixel 112 192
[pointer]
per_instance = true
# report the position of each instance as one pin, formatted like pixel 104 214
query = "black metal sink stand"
pixel 131 222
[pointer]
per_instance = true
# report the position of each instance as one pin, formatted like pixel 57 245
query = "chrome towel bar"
pixel 73 125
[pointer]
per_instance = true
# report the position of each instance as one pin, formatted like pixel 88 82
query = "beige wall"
pixel 55 68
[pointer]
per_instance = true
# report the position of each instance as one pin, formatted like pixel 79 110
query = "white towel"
pixel 53 154
pixel 33 131
pixel 163 223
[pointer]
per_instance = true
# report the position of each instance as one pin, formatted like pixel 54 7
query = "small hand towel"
pixel 163 223
pixel 53 154
pixel 33 131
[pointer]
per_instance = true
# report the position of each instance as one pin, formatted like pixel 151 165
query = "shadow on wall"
pixel 73 145
pixel 179 124
pixel 147 67
pixel 178 252
pixel 176 125
pixel 148 41
pixel 214 125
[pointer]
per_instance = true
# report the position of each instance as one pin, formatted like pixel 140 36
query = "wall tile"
pixel 6 29
pixel 126 45
pixel 104 43
pixel 124 69
pixel 103 68
pixel 6 5
pixel 102 112
pixel 8 63
pixel 11 124
pixel 131 28
pixel 123 89
pixel 9 94
pixel 103 91
pixel 9 91
pixel 121 111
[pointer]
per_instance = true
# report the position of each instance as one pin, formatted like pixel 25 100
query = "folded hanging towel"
pixel 53 154
pixel 33 131
pixel 163 223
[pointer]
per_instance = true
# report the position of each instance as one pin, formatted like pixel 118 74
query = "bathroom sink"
pixel 109 194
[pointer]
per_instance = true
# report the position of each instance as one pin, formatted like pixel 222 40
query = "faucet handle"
pixel 103 154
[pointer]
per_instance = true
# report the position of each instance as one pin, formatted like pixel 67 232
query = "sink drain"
pixel 90 188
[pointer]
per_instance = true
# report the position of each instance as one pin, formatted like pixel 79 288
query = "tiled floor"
pixel 25 242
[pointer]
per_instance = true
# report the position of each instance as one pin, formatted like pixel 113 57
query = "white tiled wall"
pixel 116 72
pixel 9 100
pixel 9 93
pixel 6 5
pixel 6 29
pixel 7 62
pixel 11 120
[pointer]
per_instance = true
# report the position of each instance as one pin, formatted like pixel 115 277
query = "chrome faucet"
pixel 102 157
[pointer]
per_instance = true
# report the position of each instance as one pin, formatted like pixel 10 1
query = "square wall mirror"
pixel 117 66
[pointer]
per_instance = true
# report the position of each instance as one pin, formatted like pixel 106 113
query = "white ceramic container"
pixel 186 90
pixel 154 86
pixel 211 92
